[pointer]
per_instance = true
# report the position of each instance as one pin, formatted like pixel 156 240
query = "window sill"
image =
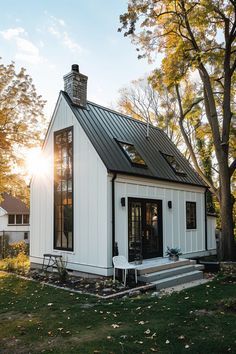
pixel 56 250
pixel 18 224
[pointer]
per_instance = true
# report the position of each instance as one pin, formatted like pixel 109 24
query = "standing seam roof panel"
pixel 103 126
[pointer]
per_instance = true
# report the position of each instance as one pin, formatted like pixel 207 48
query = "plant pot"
pixel 174 258
pixel 138 261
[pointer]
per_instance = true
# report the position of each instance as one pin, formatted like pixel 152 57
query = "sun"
pixel 36 164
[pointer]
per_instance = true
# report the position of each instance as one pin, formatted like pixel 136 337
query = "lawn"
pixel 41 319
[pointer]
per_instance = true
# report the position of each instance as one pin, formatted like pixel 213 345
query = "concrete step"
pixel 145 268
pixel 167 273
pixel 178 279
pixel 199 266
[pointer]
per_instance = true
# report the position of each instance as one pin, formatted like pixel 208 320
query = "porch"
pixel 165 273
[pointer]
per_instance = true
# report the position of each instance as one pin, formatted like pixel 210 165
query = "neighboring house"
pixel 113 183
pixel 14 219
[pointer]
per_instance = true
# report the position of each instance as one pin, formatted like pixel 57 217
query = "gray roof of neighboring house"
pixel 13 205
pixel 104 127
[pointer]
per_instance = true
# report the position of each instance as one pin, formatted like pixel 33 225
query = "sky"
pixel 46 37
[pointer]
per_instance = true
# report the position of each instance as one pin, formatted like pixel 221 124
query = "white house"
pixel 14 219
pixel 111 184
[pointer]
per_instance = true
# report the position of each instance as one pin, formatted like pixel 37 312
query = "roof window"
pixel 132 154
pixel 174 164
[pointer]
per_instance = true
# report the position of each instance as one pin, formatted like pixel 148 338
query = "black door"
pixel 145 228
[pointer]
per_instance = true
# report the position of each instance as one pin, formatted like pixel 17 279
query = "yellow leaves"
pixel 21 119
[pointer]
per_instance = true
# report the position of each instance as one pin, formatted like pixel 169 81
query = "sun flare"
pixel 36 163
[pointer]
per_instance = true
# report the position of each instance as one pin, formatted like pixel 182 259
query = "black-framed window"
pixel 63 189
pixel 132 154
pixel 191 215
pixel 18 219
pixel 174 164
pixel 11 219
pixel 25 218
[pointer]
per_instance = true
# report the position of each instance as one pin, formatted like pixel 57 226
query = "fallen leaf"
pixel 181 337
pixel 115 325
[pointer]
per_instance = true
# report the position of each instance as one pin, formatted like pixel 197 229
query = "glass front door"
pixel 145 228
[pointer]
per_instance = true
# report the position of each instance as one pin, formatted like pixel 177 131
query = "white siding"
pixel 211 232
pixel 175 233
pixel 90 202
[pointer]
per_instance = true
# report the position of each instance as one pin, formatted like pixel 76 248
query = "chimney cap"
pixel 75 67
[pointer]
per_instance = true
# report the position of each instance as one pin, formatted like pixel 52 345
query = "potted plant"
pixel 173 253
pixel 138 259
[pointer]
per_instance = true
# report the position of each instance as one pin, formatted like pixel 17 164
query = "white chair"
pixel 120 262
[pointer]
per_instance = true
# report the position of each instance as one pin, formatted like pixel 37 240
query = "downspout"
pixel 113 212
pixel 206 245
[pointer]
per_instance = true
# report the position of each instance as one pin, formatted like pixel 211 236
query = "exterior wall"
pixel 211 232
pixel 175 233
pixel 90 253
pixel 15 232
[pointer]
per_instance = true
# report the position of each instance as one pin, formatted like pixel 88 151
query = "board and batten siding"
pixel 211 232
pixel 175 233
pixel 90 201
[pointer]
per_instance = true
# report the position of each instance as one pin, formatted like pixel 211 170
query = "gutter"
pixel 206 245
pixel 113 212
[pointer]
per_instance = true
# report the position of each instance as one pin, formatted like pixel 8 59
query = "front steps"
pixel 164 274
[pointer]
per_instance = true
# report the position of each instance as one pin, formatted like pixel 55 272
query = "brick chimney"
pixel 75 85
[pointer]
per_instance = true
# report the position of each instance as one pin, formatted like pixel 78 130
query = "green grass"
pixel 41 319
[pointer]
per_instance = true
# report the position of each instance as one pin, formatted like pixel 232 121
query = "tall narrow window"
pixel 191 217
pixel 63 189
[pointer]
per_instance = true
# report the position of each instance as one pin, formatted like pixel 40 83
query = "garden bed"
pixel 101 287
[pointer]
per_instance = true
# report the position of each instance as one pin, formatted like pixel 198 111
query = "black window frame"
pixel 136 164
pixel 12 223
pixel 191 225
pixel 180 173
pixel 69 249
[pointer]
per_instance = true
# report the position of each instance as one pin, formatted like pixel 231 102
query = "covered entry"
pixel 145 228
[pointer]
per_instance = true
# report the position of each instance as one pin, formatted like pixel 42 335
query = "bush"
pixel 16 248
pixel 62 271
pixel 19 264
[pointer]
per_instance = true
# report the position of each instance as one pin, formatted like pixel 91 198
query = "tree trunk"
pixel 226 213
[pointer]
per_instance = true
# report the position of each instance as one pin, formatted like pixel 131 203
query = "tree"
pixel 21 125
pixel 196 37
pixel 142 102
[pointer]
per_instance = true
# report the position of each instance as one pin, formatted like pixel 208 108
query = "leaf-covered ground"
pixel 42 319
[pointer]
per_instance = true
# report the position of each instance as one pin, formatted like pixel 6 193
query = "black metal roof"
pixel 104 127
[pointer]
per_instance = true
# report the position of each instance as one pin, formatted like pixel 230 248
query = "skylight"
pixel 174 164
pixel 132 154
